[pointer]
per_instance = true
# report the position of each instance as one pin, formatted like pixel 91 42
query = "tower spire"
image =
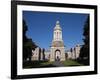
pixel 57 32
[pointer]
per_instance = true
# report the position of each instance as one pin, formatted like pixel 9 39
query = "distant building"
pixel 47 55
pixel 38 54
pixel 74 53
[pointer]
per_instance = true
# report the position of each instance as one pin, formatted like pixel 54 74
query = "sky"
pixel 41 26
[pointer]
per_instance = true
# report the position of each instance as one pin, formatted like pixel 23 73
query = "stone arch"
pixel 57 55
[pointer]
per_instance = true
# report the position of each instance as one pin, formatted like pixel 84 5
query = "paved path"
pixel 58 64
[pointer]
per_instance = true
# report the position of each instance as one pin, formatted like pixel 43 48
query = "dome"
pixel 57 27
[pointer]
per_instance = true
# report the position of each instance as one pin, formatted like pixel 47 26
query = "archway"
pixel 57 55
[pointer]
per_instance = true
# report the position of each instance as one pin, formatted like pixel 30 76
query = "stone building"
pixel 69 54
pixel 35 54
pixel 74 53
pixel 38 54
pixel 77 51
pixel 47 54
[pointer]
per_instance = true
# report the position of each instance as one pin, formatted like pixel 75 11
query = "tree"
pixel 84 52
pixel 28 44
pixel 43 54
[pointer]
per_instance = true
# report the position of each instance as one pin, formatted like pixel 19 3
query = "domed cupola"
pixel 57 27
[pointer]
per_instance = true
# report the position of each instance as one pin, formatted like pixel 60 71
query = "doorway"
pixel 57 55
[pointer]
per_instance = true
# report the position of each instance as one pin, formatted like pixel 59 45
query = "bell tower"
pixel 57 46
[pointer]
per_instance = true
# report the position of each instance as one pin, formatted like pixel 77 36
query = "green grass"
pixel 44 64
pixel 71 63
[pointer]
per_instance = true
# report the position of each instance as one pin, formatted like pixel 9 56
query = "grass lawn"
pixel 71 63
pixel 44 64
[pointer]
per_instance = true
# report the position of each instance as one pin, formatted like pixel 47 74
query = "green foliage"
pixel 84 53
pixel 28 45
pixel 71 63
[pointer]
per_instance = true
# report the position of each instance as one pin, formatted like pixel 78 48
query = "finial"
pixel 57 26
pixel 57 22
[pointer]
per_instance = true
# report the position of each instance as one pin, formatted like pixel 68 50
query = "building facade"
pixel 38 54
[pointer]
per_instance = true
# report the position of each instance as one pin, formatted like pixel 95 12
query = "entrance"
pixel 57 55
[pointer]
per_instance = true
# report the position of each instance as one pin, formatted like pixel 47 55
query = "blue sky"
pixel 41 25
